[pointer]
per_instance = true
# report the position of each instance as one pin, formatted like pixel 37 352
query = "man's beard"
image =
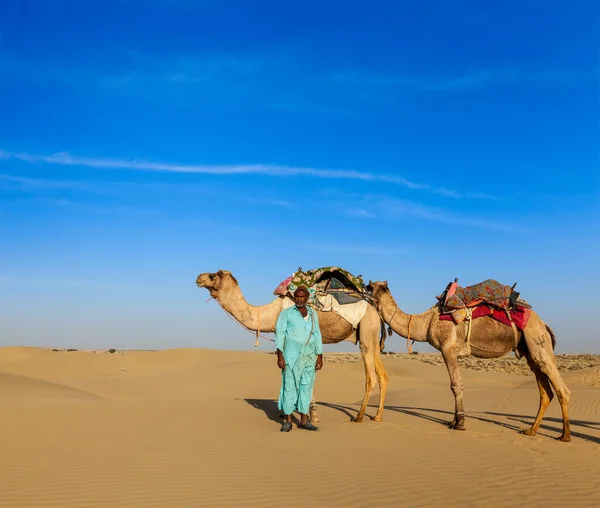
pixel 300 305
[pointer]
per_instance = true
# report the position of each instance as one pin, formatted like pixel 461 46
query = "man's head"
pixel 301 296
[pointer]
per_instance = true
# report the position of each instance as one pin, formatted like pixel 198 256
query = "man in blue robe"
pixel 299 356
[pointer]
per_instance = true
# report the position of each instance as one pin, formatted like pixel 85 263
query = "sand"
pixel 190 428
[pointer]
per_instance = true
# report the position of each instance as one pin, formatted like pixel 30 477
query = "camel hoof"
pixel 357 420
pixel 528 432
pixel 564 439
pixel 456 426
pixel 376 418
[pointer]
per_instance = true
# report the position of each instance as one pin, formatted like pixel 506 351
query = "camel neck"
pixel 262 318
pixel 405 325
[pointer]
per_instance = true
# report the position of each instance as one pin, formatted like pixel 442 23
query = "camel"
pixel 224 288
pixel 488 339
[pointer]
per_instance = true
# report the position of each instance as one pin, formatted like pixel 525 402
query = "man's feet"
pixel 307 426
pixel 286 427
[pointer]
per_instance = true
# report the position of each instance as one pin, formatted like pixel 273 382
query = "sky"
pixel 143 143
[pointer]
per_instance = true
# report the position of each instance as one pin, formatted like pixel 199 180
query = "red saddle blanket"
pixel 520 315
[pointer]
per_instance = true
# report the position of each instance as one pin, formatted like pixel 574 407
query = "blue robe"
pixel 300 342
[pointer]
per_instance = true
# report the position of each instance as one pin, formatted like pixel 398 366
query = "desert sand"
pixel 194 427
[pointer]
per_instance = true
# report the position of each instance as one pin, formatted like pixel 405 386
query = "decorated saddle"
pixel 332 289
pixel 341 284
pixel 488 298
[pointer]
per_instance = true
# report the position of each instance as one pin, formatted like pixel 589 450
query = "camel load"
pixel 488 298
pixel 332 289
pixel 329 279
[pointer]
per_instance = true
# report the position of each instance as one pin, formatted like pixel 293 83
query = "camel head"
pixel 377 289
pixel 215 282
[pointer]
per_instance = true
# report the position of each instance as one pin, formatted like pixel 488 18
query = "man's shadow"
pixel 269 407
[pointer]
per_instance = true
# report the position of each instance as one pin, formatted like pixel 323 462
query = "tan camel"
pixel 225 289
pixel 488 339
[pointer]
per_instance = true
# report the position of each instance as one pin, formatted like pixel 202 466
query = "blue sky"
pixel 143 143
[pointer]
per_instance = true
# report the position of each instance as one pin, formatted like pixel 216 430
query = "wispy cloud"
pixel 395 209
pixel 79 208
pixel 65 159
pixel 64 283
pixel 467 81
pixel 389 208
pixel 359 212
pixel 278 79
pixel 10 181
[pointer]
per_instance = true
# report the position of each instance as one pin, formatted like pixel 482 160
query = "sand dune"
pixel 188 428
pixel 24 388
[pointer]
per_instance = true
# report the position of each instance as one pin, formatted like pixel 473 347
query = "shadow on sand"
pixel 269 407
pixel 439 415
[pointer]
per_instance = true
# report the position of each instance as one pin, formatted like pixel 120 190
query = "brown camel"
pixel 488 338
pixel 225 289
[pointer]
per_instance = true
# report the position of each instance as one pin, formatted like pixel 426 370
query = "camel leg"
pixel 313 417
pixel 564 395
pixel 546 396
pixel 456 385
pixel 540 350
pixel 550 369
pixel 382 378
pixel 369 361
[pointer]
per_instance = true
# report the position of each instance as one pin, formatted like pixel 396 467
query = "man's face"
pixel 301 298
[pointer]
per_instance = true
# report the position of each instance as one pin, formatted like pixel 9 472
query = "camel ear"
pixel 370 283
pixel 385 283
pixel 220 272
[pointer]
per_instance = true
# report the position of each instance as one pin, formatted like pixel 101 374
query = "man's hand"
pixel 280 360
pixel 319 365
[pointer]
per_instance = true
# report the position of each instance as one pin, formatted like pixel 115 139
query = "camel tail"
pixel 552 336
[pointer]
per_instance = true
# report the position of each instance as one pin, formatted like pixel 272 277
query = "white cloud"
pixel 65 159
pixel 391 208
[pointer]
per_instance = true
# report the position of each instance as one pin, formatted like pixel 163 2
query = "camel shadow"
pixel 528 420
pixel 424 413
pixel 579 423
pixel 350 411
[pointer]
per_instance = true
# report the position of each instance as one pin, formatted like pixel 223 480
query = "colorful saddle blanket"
pixel 488 298
pixel 489 291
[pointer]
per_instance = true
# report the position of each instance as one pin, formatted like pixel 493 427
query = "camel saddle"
pixel 488 298
pixel 488 292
